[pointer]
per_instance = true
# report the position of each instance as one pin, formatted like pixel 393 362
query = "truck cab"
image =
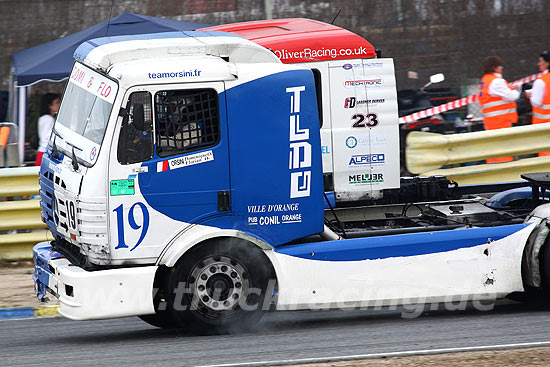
pixel 357 101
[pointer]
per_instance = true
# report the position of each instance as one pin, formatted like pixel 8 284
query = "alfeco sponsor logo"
pixel 365 178
pixel 372 82
pixel 352 102
pixel 360 160
pixel 353 141
pixel 300 149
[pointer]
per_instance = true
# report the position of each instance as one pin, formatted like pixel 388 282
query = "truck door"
pixel 365 133
pixel 170 170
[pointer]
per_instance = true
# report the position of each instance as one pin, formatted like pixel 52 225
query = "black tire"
pixel 225 286
pixel 544 263
pixel 162 319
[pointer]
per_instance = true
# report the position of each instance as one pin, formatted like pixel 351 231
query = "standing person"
pixel 497 100
pixel 49 106
pixel 539 96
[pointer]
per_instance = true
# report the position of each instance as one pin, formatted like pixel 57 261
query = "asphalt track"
pixel 280 336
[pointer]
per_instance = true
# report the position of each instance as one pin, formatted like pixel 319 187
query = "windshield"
pixel 84 113
pixel 86 106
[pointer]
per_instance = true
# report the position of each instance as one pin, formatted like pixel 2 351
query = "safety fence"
pixel 426 154
pixel 21 226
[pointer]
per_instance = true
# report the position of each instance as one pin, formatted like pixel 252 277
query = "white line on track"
pixel 284 362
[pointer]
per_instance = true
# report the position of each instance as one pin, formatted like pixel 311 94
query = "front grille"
pixel 75 219
pixel 92 225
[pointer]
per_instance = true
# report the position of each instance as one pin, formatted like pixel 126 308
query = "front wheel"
pixel 220 287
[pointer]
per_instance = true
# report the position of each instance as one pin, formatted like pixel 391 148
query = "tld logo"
pixel 300 149
pixel 366 159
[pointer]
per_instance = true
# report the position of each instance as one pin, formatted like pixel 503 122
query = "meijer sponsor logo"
pixel 300 149
pixel 366 159
pixel 366 178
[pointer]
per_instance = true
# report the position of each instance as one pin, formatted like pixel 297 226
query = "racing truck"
pixel 196 180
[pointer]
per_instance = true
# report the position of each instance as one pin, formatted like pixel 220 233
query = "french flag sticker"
pixel 162 166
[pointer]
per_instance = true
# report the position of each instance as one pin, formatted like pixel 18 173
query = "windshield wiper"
pixel 74 161
pixel 57 133
pixel 55 151
pixel 73 155
pixel 74 146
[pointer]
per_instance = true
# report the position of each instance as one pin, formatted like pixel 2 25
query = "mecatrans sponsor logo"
pixel 373 82
pixel 351 102
pixel 175 74
pixel 366 178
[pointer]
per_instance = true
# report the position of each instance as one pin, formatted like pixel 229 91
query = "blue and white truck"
pixel 188 181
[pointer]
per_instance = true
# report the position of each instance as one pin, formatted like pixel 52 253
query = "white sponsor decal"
pixel 94 83
pixel 190 160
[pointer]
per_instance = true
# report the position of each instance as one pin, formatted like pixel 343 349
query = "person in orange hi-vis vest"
pixel 497 100
pixel 540 94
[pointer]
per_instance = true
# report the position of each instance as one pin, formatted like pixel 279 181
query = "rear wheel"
pixel 220 287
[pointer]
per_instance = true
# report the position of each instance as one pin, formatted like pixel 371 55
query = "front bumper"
pixel 87 295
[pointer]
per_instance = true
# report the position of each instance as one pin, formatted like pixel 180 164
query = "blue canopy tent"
pixel 53 61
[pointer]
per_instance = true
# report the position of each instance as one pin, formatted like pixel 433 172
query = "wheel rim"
pixel 219 283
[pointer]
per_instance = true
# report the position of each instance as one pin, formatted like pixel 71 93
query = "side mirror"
pixel 138 117
pixel 437 78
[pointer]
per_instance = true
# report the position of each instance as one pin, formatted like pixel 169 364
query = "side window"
pixel 186 120
pixel 135 143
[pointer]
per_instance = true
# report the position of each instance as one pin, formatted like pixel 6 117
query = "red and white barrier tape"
pixel 457 103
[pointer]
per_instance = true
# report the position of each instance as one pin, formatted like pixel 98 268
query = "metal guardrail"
pixel 491 173
pixel 19 181
pixel 21 226
pixel 427 153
